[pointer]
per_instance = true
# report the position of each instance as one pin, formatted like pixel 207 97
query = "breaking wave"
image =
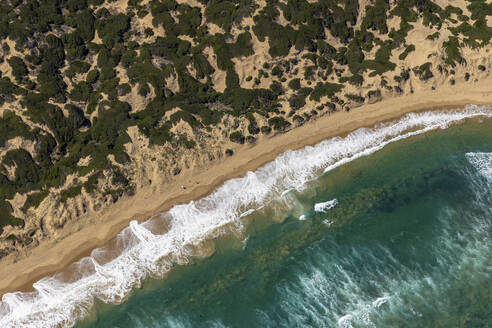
pixel 152 248
pixel 482 162
pixel 325 206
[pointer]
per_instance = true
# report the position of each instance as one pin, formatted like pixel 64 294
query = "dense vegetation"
pixel 77 65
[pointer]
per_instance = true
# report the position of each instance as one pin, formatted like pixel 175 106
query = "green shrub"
pixel 12 126
pixel 325 89
pixel 266 129
pixel 26 172
pixel 77 67
pixel 375 17
pixel 407 51
pixel 92 76
pixel 111 123
pixel 81 91
pixel 70 193
pixel 124 89
pixel 453 54
pixel 8 90
pixel 298 119
pixel 423 71
pixel 355 79
pixel 227 13
pixel 189 20
pixel 295 84
pixel 7 188
pixel 226 51
pixel 112 28
pixel 433 36
pixel 354 57
pixel 202 66
pixel 253 125
pixel 277 71
pixel 237 137
pixel 278 123
pixel 276 88
pixel 19 68
pixel 76 118
pixel 354 97
pixel 91 184
pixel 34 199
pixel 118 178
pixel 6 218
pixel 381 63
pixel 244 100
pixel 297 101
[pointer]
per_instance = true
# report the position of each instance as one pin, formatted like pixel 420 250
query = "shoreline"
pixel 52 256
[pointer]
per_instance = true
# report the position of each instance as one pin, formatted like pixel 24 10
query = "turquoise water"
pixel 404 242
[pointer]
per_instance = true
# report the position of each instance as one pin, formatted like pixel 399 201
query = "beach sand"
pixel 87 233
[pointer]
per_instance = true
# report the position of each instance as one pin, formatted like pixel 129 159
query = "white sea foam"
pixel 380 301
pixel 327 222
pixel 59 303
pixel 325 206
pixel 248 212
pixel 345 321
pixel 482 162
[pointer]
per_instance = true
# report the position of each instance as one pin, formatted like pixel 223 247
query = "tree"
pixel 19 69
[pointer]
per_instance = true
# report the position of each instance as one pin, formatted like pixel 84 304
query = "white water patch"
pixel 325 206
pixel 59 303
pixel 327 222
pixel 380 301
pixel 345 321
pixel 482 162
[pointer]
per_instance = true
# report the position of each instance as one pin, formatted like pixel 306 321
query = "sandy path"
pixel 52 256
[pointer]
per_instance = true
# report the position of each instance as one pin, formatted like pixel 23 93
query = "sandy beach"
pixel 18 274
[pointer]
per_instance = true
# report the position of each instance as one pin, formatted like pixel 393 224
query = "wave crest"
pixel 325 206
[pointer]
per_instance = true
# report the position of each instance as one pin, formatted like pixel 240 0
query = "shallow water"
pixel 395 233
pixel 400 238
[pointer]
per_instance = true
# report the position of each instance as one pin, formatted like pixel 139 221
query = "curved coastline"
pixel 53 256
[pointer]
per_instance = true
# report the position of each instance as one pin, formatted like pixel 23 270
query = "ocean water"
pixel 388 226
